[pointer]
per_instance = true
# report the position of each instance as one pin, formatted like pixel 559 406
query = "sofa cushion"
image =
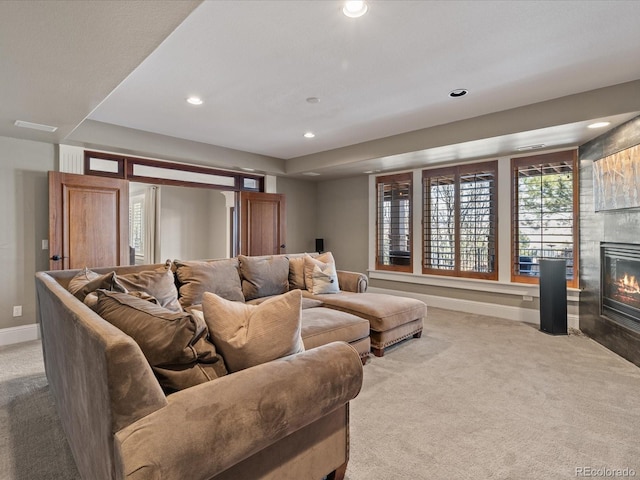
pixel 296 273
pixel 323 325
pixel 264 276
pixel 87 281
pixel 158 283
pixel 384 312
pixel 306 302
pixel 249 335
pixel 174 343
pixel 217 276
pixel 320 274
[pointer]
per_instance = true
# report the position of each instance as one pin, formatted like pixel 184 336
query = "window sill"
pixel 508 288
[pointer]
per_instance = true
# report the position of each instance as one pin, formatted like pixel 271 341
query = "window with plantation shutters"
pixel 545 212
pixel 393 222
pixel 459 221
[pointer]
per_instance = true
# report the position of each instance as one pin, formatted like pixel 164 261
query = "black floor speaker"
pixel 553 296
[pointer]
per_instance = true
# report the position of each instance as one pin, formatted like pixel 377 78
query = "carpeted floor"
pixel 475 398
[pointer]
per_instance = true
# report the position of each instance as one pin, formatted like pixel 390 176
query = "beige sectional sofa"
pixel 148 387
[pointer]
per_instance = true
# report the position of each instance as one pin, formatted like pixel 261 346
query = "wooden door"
pixel 262 223
pixel 88 221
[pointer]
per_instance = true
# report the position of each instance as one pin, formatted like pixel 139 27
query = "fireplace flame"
pixel 629 284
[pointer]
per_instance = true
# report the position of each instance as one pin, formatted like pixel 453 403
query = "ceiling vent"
pixel 35 126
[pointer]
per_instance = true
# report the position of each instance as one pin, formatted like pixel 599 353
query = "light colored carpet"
pixel 483 398
pixel 475 398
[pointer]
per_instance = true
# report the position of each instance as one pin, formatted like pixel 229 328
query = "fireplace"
pixel 620 287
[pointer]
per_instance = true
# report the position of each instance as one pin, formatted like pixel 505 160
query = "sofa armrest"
pixel 352 281
pixel 210 427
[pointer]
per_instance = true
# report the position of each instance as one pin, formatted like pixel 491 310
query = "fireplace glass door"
pixel 620 289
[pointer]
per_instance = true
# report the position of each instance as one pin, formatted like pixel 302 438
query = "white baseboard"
pixel 469 306
pixel 23 333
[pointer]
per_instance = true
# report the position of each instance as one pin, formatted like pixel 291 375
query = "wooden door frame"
pixel 58 231
pixel 243 218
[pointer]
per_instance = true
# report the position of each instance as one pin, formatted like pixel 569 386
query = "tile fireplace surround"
pixel 597 229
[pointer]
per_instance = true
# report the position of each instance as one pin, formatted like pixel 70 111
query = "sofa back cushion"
pixel 159 283
pixel 249 335
pixel 296 269
pixel 218 276
pixel 264 276
pixel 174 343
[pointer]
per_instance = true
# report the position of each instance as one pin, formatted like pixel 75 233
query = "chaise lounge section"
pixel 392 319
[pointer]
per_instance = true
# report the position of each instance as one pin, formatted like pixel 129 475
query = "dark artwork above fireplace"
pixel 620 289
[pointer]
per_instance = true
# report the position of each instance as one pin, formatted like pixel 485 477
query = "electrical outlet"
pixel 45 244
pixel 17 311
pixel 527 298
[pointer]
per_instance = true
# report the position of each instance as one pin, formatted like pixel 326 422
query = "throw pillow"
pixel 159 283
pixel 91 300
pixel 296 270
pixel 264 276
pixel 249 335
pixel 217 276
pixel 87 281
pixel 320 274
pixel 174 343
pixel 325 279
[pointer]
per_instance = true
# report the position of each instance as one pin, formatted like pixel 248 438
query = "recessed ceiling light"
pixel 311 174
pixel 194 100
pixel 35 126
pixel 599 125
pixel 309 135
pixel 355 8
pixel 530 147
pixel 247 169
pixel 372 171
pixel 313 100
pixel 458 92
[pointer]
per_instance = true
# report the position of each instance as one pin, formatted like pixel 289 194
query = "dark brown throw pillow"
pixel 159 283
pixel 174 343
pixel 216 276
pixel 87 281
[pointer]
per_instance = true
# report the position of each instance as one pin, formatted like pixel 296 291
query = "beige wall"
pixel 301 211
pixel 342 221
pixel 24 209
pixel 191 224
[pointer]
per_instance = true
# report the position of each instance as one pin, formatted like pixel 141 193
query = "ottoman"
pixel 391 319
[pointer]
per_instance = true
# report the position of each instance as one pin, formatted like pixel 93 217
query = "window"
pixel 393 222
pixel 545 213
pixel 459 221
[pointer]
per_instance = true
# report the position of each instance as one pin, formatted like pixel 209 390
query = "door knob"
pixel 283 246
pixel 55 258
